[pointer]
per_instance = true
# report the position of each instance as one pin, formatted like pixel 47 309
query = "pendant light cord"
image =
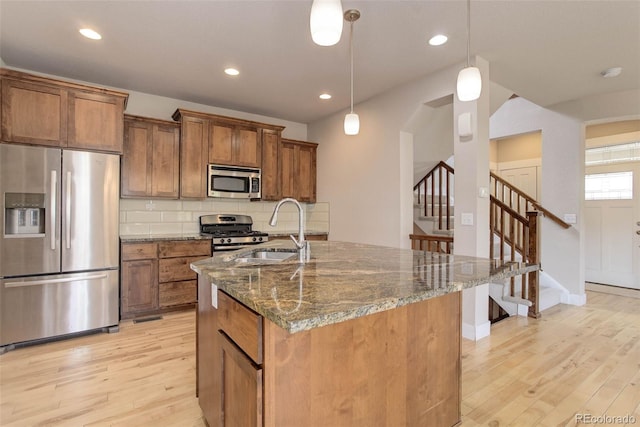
pixel 351 54
pixel 468 33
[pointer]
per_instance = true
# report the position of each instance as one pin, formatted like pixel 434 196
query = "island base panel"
pixel 397 367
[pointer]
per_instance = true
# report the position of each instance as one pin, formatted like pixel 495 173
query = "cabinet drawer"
pixel 170 249
pixel 177 293
pixel 242 325
pixel 176 269
pixel 132 251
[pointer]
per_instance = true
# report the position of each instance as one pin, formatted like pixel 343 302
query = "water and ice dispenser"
pixel 24 214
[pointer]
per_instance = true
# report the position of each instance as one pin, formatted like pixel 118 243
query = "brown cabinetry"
pixel 157 277
pixel 42 111
pixel 229 360
pixel 139 284
pixel 234 145
pixel 209 138
pixel 150 162
pixel 298 170
pixel 271 141
pixel 251 372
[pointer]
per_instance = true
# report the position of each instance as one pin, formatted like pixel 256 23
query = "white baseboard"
pixel 476 332
pixel 574 299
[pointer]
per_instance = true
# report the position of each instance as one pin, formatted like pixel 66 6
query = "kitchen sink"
pixel 266 256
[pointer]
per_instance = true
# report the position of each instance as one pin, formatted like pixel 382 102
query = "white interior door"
pixel 525 178
pixel 612 225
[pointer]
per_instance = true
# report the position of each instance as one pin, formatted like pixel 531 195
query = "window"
pixel 609 186
pixel 628 152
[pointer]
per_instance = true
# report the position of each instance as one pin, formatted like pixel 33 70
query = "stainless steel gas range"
pixel 230 231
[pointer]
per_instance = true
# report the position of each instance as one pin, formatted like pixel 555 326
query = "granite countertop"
pixel 295 233
pixel 154 237
pixel 345 281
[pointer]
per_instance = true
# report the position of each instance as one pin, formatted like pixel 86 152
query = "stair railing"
pixel 521 235
pixel 432 243
pixel 518 200
pixel 513 222
pixel 435 190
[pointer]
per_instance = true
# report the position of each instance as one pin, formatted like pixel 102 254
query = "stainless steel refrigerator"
pixel 59 259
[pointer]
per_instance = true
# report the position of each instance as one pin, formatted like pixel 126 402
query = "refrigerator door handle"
pixel 68 212
pixel 48 281
pixel 53 207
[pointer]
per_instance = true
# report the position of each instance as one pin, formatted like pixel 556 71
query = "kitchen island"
pixel 359 335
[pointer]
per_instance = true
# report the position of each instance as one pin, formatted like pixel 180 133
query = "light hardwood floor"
pixel 574 360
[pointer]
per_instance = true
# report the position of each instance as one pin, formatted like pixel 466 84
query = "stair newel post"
pixel 534 258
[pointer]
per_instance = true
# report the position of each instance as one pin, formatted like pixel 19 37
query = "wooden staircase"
pixel 513 223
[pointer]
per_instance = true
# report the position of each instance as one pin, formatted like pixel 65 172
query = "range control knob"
pixel 260 239
pixel 254 239
pixel 228 240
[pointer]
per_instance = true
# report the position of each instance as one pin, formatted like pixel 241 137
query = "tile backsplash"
pixel 140 217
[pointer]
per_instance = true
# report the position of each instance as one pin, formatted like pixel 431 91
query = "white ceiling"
pixel 545 51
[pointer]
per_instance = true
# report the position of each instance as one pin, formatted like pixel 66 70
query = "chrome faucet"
pixel 304 250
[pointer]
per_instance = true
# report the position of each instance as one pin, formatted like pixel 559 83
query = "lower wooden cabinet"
pixel 378 369
pixel 241 403
pixel 156 276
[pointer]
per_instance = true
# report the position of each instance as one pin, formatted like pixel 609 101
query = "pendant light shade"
pixel 351 120
pixel 469 84
pixel 325 22
pixel 351 124
pixel 469 80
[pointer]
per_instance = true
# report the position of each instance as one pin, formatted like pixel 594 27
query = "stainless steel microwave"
pixel 233 182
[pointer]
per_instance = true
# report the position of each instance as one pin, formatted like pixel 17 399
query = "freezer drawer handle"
pixel 52 227
pixel 48 281
pixel 68 211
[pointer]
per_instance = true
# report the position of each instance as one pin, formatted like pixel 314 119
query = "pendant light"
pixel 351 120
pixel 325 22
pixel 469 79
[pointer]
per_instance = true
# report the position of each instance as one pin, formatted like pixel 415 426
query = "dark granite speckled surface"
pixel 154 237
pixel 345 281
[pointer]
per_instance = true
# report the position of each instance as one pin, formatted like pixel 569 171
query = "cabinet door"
pixel 139 291
pixel 287 169
pixel 165 162
pixel 270 153
pixel 248 148
pixel 221 144
pixel 241 403
pixel 33 114
pixel 306 181
pixel 95 121
pixel 136 177
pixel 194 152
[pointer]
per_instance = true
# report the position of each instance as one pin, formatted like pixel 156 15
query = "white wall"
pixel 432 129
pixel 363 176
pixel 562 185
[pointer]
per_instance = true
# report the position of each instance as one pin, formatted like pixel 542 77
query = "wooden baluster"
pixel 534 258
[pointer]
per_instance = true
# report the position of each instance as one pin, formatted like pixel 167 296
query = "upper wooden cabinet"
pixel 151 158
pixel 234 145
pixel 209 138
pixel 270 165
pixel 42 111
pixel 298 170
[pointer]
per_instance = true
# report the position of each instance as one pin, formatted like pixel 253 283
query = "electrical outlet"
pixel 466 219
pixel 214 296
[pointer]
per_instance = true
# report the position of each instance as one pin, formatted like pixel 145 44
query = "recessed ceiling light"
pixel 611 72
pixel 438 40
pixel 325 96
pixel 90 34
pixel 231 71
